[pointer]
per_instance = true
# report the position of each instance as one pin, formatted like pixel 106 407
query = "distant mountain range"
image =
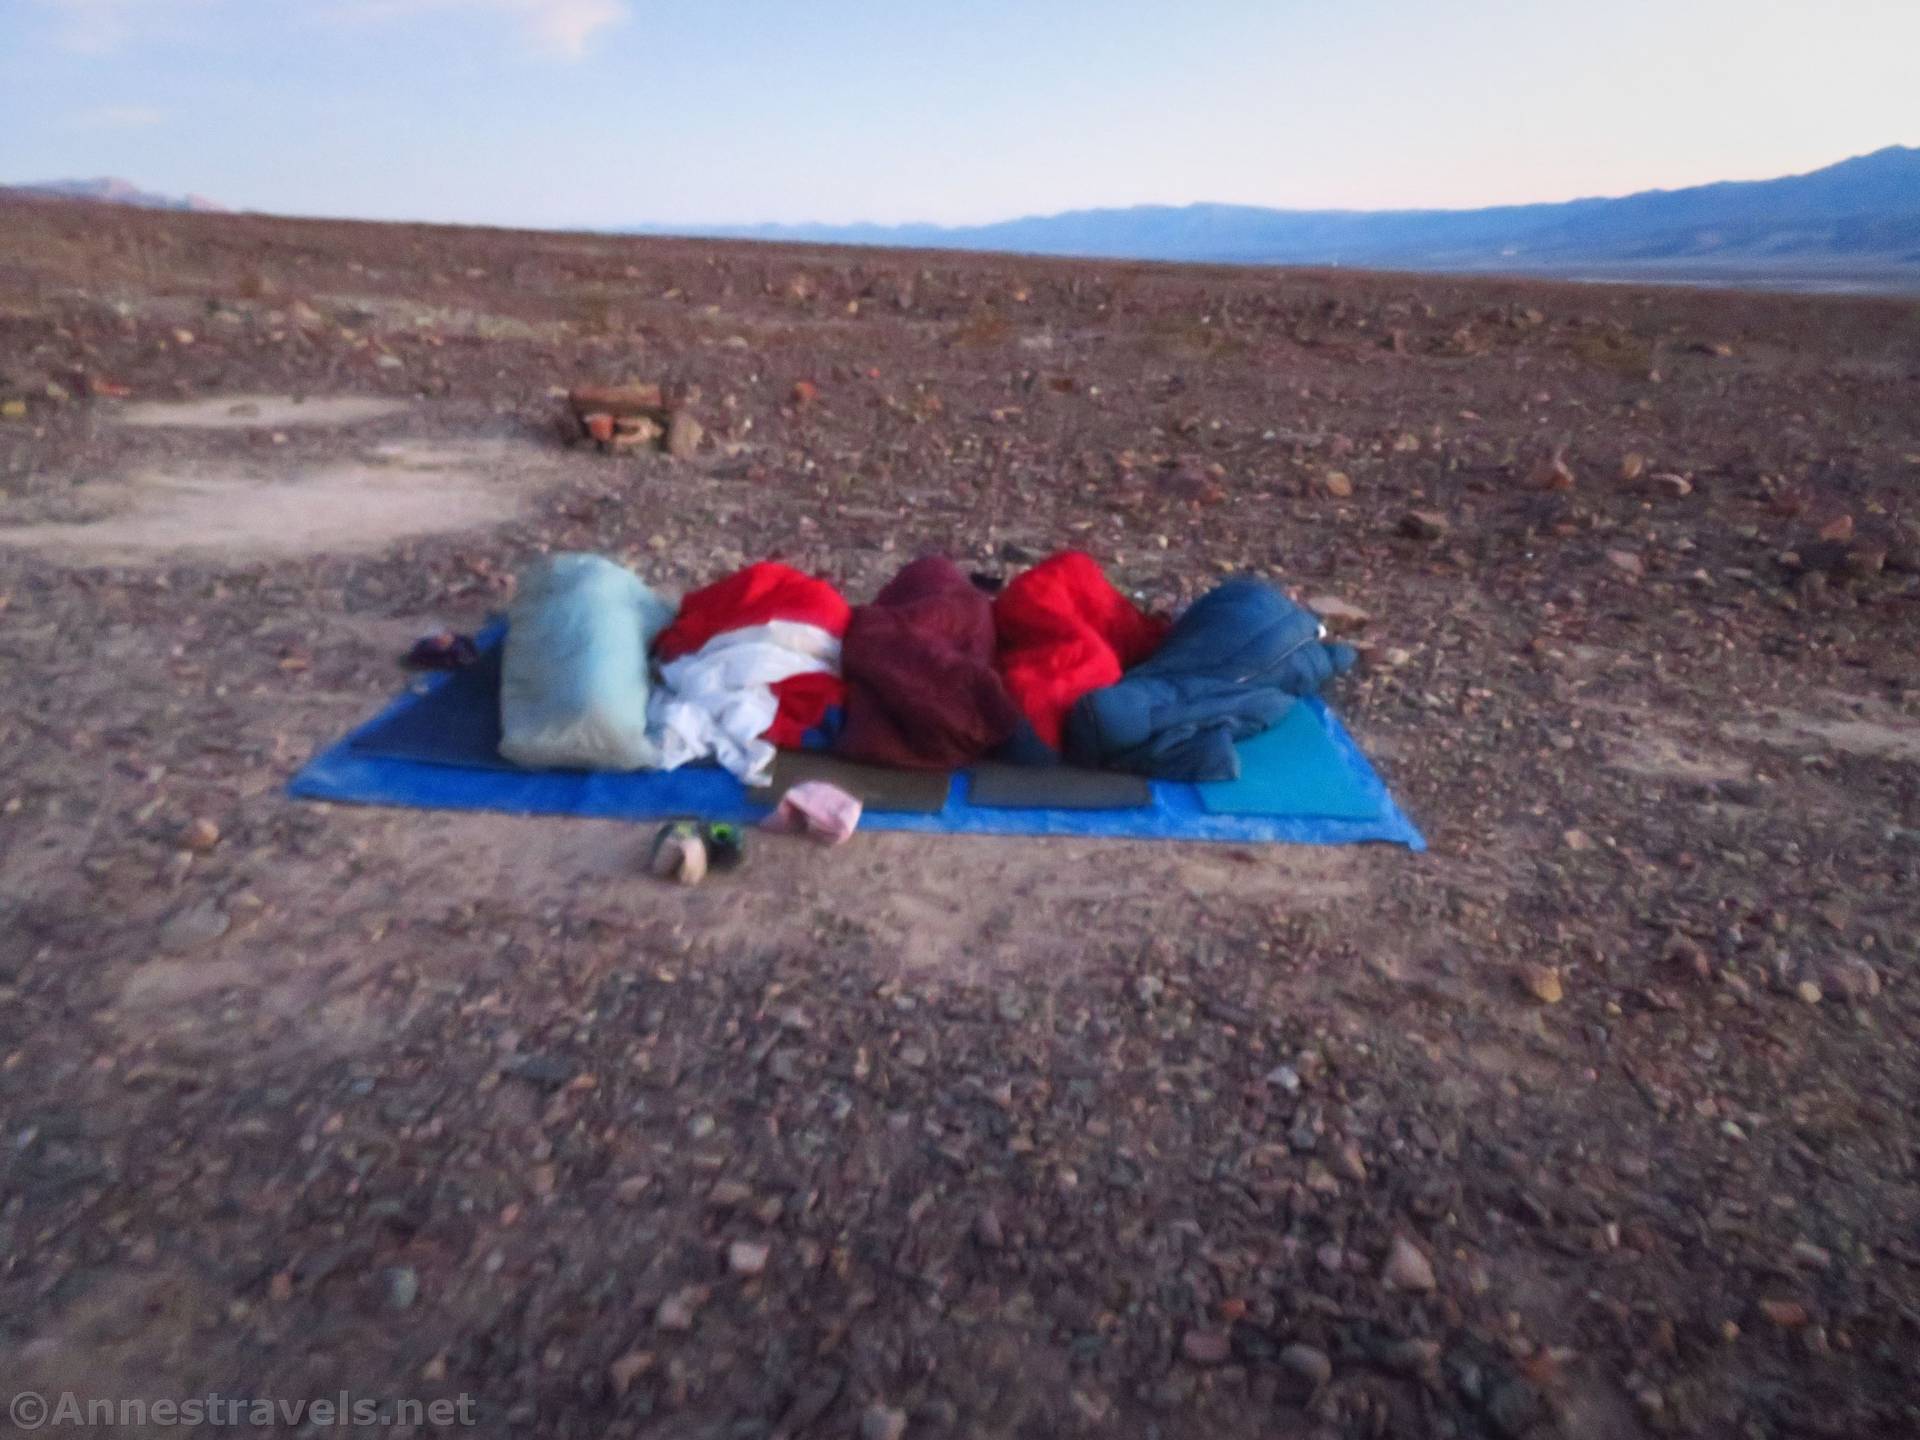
pixel 1854 225
pixel 109 190
pixel 1850 226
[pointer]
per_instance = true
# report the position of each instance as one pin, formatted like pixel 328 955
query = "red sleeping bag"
pixel 1063 631
pixel 758 595
pixel 922 693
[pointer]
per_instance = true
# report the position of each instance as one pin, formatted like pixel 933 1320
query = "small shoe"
pixel 726 845
pixel 679 853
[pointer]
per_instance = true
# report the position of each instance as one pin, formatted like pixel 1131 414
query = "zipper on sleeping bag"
pixel 1320 633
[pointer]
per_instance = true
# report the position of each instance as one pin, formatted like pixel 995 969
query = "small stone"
pixel 1330 1257
pixel 200 835
pixel 628 1368
pixel 629 1190
pixel 1310 1364
pixel 1684 953
pixel 403 1287
pixel 1348 1162
pixel 1542 982
pixel 1394 657
pixel 1808 992
pixel 684 434
pixel 1515 1408
pixel 1550 474
pixel 1674 487
pixel 1426 525
pixel 1285 1077
pixel 805 392
pixel 1337 484
pixel 1407 1267
pixel 1627 563
pixel 1632 466
pixel 987 1230
pixel 702 1126
pixel 882 1422
pixel 727 1194
pixel 13 408
pixel 1341 617
pixel 389 362
pixel 1577 840
pixel 1839 528
pixel 193 927
pixel 1852 979
pixel 675 1312
pixel 1206 1347
pixel 183 337
pixel 1809 1256
pixel 748 1258
pixel 599 427
pixel 1787 1314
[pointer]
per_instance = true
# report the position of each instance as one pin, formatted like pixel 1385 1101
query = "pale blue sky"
pixel 612 112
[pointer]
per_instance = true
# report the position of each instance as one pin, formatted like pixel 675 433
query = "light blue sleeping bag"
pixel 573 677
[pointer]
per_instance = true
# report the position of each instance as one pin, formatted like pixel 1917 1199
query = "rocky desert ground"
pixel 1597 1120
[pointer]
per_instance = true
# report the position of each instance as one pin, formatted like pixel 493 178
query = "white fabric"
pixel 719 700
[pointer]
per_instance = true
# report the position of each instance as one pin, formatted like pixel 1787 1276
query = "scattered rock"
pixel 1553 473
pixel 1787 1314
pixel 1348 1162
pixel 1407 1267
pixel 987 1230
pixel 1632 466
pixel 882 1422
pixel 1337 484
pixel 1851 978
pixel 200 835
pixel 1808 992
pixel 805 392
pixel 675 1313
pixel 1342 618
pixel 403 1287
pixel 1426 525
pixel 1310 1364
pixel 628 1368
pixel 1671 485
pixel 1627 563
pixel 193 927
pixel 1809 1256
pixel 1515 1408
pixel 1542 982
pixel 1206 1347
pixel 748 1258
pixel 629 1190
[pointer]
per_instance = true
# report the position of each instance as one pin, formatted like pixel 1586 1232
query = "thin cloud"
pixel 94 27
pixel 562 27
pixel 121 117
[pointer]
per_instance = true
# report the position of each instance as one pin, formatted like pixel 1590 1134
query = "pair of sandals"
pixel 684 850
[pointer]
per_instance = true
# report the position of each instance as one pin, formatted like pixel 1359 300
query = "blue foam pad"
pixel 427 750
pixel 1293 769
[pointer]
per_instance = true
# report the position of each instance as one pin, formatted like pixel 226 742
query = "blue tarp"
pixel 431 750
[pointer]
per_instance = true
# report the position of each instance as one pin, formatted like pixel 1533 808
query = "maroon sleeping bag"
pixel 922 692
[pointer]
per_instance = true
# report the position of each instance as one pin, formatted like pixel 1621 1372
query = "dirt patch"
pixel 236 515
pixel 258 412
pixel 1877 732
pixel 1657 755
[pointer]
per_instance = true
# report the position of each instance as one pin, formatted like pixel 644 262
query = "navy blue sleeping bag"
pixel 1231 667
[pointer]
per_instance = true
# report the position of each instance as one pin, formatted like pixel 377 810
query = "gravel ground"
pixel 1597 1120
